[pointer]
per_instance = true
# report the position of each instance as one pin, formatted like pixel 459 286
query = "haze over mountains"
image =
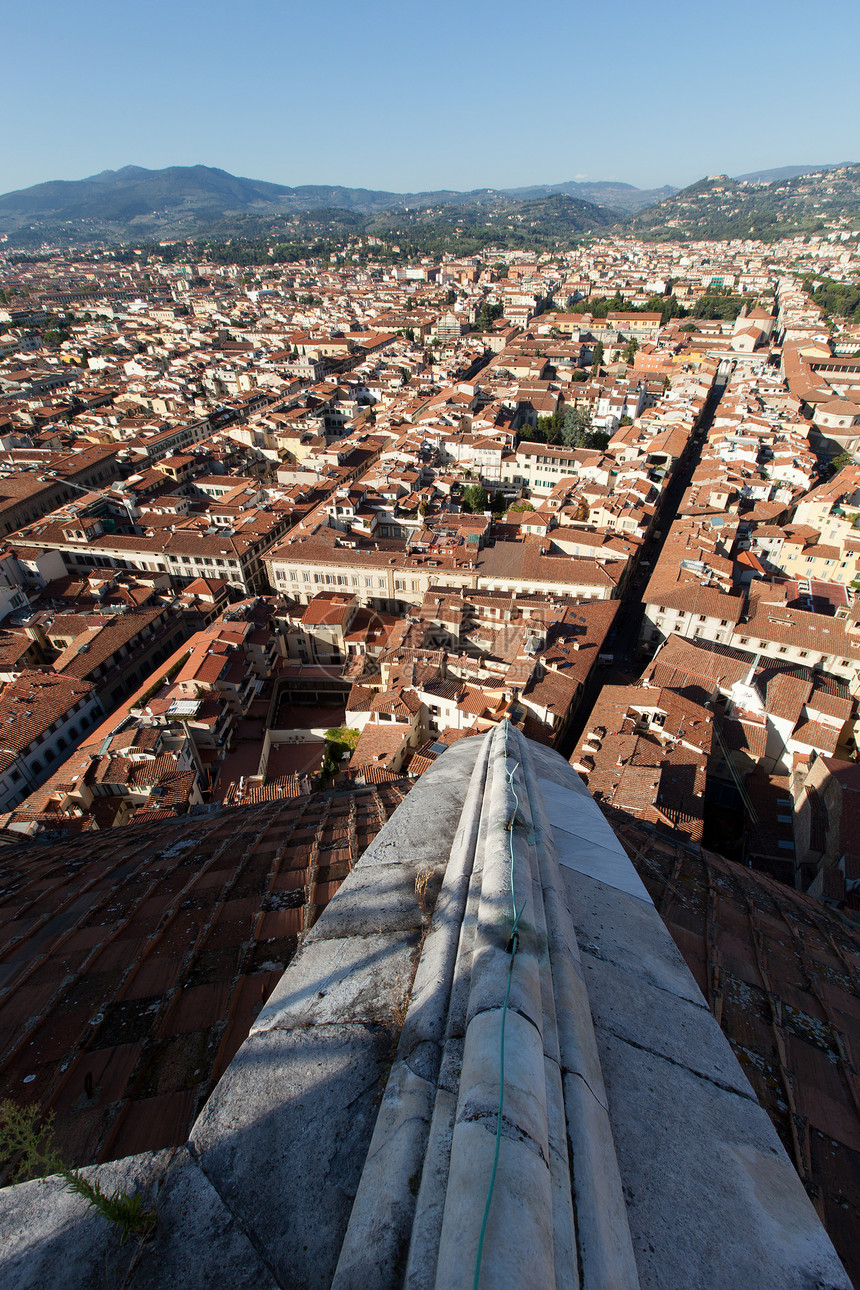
pixel 194 201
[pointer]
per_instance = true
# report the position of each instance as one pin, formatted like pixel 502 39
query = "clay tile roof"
pixel 156 944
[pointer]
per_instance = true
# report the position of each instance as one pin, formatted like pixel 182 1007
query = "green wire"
pixel 516 914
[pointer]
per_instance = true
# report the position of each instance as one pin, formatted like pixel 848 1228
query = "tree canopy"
pixel 475 499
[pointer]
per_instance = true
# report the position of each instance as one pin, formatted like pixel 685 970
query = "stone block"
pixel 354 978
pixel 284 1137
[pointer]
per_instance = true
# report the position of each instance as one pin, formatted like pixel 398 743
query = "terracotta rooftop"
pixel 133 961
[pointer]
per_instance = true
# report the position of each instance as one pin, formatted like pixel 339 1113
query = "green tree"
pixel 486 316
pixel 597 358
pixel 475 499
pixel 629 351
pixel 500 503
pixel 577 425
pixel 549 428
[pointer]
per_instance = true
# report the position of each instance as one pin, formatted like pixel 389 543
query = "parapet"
pixel 487 1066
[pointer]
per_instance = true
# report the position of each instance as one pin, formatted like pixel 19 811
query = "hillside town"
pixel 271 533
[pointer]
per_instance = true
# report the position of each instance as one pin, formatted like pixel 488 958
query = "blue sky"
pixel 439 95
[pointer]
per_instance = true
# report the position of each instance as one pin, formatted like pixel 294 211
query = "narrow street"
pixel 628 662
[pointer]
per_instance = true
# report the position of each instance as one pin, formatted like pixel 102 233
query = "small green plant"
pixel 29 1145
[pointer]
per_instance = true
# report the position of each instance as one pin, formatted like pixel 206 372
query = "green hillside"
pixel 720 208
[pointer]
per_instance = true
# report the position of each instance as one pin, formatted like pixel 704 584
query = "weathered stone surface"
pixel 563 1224
pixel 518 1249
pixel 613 925
pixel 197 1243
pixel 380 900
pixel 284 1138
pixel 430 1203
pixel 525 1107
pixel 423 834
pixel 378 1234
pixel 352 978
pixel 549 765
pixel 605 1248
pixel 713 1202
pixel 49 1238
pixel 584 841
pixel 668 1024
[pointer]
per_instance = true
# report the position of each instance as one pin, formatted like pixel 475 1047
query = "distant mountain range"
pixel 201 201
pixel 138 203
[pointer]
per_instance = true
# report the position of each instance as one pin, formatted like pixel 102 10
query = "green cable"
pixel 513 943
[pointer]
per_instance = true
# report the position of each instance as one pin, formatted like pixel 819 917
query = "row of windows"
pixel 207 559
pixel 343 580
pixel 682 613
pixel 803 653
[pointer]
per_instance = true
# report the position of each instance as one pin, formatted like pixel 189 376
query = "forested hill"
pixel 395 236
pixel 721 208
pixel 467 229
